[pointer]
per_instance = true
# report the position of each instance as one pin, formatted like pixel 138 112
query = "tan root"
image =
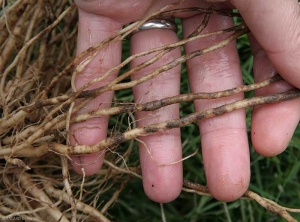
pixel 37 60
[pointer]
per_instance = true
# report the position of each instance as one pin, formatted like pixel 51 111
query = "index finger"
pixel 276 26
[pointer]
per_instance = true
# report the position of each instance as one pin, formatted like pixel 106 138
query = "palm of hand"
pixel 224 139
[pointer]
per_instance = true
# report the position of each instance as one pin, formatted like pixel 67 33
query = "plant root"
pixel 37 62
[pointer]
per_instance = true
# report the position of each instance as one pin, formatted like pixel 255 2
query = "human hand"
pixel 224 139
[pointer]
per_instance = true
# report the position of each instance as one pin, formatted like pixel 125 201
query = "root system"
pixel 37 60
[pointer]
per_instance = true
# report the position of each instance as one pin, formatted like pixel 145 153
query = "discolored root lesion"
pixel 37 61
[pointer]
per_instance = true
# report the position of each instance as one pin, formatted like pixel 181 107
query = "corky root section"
pixel 37 60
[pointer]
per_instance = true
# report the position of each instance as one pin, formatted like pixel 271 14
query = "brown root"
pixel 37 61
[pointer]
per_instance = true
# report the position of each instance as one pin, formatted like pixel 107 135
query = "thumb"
pixel 276 26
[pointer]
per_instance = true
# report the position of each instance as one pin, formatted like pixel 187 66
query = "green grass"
pixel 276 178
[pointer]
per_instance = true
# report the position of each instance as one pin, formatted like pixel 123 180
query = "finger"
pixel 224 138
pixel 161 183
pixel 271 132
pixel 276 25
pixel 92 29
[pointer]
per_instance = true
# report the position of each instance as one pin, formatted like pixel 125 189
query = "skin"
pixel 224 139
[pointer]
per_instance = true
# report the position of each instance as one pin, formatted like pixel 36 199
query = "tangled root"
pixel 37 60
